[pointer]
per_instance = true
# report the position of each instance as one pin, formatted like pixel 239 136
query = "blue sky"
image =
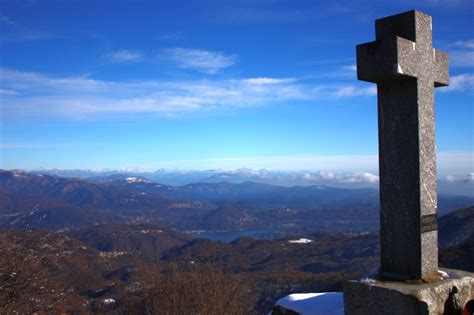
pixel 211 84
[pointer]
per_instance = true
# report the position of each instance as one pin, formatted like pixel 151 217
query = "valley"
pixel 74 245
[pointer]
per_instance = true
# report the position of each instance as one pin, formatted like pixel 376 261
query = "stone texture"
pixel 406 69
pixel 384 297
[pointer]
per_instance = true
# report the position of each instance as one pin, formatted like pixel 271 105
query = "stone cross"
pixel 406 68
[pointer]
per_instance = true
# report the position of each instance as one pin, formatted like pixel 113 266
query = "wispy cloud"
pixel 10 145
pixel 324 163
pixel 256 14
pixel 462 58
pixel 352 90
pixel 463 53
pixel 267 13
pixel 450 163
pixel 205 61
pixel 123 56
pixel 361 168
pixel 461 82
pixel 470 178
pixel 12 31
pixel 4 92
pixel 356 178
pixel 170 36
pixel 351 68
pixel 38 94
pixel 462 178
pixel 464 43
pixel 5 20
pixel 338 70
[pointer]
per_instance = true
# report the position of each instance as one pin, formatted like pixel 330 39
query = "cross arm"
pixel 375 61
pixel 441 71
pixel 398 58
pixel 431 63
pixel 388 59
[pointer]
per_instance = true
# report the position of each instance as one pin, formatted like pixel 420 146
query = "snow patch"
pixel 109 301
pixel 111 254
pixel 325 303
pixel 151 231
pixel 443 274
pixel 368 281
pixel 300 241
pixel 136 180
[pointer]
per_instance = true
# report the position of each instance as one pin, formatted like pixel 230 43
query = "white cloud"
pixel 4 92
pixel 10 145
pixel 7 21
pixel 364 177
pixel 470 178
pixel 332 170
pixel 450 178
pixel 455 163
pixel 13 31
pixel 326 163
pixel 351 91
pixel 170 36
pixel 462 58
pixel 31 82
pixel 453 179
pixel 463 54
pixel 460 82
pixel 122 56
pixel 443 3
pixel 327 175
pixel 267 81
pixel 81 96
pixel 351 68
pixel 209 62
pixel 465 43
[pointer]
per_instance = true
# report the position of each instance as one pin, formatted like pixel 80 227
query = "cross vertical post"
pixel 406 69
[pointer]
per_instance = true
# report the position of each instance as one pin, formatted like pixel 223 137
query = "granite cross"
pixel 406 68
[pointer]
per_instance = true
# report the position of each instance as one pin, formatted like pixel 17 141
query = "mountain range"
pixel 54 203
pixel 460 184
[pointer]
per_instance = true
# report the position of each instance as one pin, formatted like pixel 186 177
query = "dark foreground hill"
pixel 459 256
pixel 456 239
pixel 456 227
pixel 133 269
pixel 52 273
pixel 147 241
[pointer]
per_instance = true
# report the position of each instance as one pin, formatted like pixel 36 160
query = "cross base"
pixel 387 276
pixel 365 297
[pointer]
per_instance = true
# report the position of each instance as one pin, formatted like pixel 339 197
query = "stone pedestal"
pixel 370 296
